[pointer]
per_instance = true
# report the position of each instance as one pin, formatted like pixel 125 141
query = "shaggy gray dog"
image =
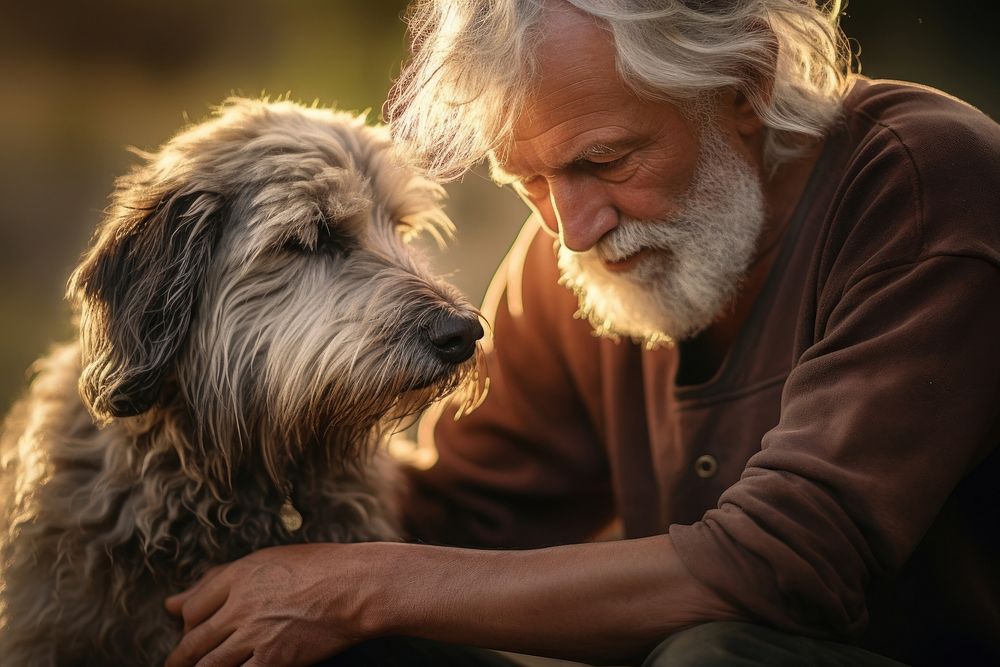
pixel 252 323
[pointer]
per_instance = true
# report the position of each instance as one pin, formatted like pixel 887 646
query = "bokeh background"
pixel 80 81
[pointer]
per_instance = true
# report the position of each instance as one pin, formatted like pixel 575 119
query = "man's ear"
pixel 753 94
pixel 137 287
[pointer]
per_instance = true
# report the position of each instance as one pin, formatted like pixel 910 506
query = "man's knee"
pixel 735 644
pixel 704 645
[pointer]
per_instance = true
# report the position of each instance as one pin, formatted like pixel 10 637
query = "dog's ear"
pixel 136 290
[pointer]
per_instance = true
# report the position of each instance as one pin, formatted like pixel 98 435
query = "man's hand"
pixel 609 602
pixel 291 605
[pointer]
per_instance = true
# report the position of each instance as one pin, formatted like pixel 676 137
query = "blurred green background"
pixel 81 81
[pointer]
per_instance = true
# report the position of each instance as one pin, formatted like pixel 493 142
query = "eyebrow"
pixel 597 149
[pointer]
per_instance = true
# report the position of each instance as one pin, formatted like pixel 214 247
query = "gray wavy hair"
pixel 473 66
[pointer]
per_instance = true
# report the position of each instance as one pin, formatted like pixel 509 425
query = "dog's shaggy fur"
pixel 251 322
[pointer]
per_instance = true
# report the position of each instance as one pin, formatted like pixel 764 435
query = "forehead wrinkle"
pixel 553 104
pixel 570 85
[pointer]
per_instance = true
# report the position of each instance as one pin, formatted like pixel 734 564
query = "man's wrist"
pixel 372 575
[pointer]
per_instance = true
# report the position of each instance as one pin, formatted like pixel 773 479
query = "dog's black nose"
pixel 454 337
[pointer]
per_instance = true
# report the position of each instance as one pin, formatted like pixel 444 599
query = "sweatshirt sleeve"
pixel 525 469
pixel 880 420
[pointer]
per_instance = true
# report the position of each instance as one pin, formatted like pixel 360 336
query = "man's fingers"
pixel 197 644
pixel 232 652
pixel 201 600
pixel 203 603
pixel 175 602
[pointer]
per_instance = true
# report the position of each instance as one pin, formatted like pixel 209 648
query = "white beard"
pixel 699 257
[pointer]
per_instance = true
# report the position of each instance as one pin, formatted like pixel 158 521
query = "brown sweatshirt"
pixel 839 475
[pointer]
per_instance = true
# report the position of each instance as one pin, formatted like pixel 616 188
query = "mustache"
pixel 633 235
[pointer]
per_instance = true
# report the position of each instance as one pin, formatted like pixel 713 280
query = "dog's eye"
pixel 328 241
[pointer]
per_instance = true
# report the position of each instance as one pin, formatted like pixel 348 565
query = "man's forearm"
pixel 597 602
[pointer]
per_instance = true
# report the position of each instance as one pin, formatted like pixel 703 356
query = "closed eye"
pixel 603 164
pixel 607 165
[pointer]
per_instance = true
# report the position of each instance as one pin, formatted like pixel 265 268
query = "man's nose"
pixel 584 212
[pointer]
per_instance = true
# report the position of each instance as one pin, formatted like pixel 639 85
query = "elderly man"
pixel 792 407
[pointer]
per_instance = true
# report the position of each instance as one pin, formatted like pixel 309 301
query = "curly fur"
pixel 252 322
